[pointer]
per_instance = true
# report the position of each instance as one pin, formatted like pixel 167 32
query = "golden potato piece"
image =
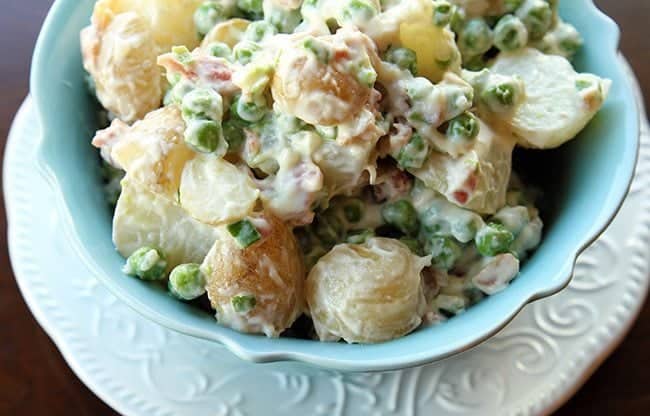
pixel 152 151
pixel 171 21
pixel 318 92
pixel 367 293
pixel 121 57
pixel 229 32
pixel 143 218
pixel 270 271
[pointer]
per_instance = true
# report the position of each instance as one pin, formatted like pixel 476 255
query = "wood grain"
pixel 34 378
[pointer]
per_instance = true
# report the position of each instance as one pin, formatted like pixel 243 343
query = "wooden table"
pixel 34 379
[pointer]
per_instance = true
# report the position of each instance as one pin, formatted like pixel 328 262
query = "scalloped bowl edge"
pixel 413 350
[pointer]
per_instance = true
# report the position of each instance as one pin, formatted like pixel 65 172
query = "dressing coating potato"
pixel 477 180
pixel 121 58
pixel 215 191
pixel 318 92
pixel 121 46
pixel 152 151
pixel 270 271
pixel 367 293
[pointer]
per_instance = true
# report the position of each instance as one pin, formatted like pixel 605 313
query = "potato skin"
pixel 271 270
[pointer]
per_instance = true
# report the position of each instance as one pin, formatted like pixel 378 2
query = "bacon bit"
pixel 471 182
pixel 214 69
pixel 461 197
pixel 341 54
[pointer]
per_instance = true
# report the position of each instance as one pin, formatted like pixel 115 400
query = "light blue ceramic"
pixel 594 176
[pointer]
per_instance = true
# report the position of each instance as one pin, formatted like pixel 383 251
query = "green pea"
pixel 220 50
pixel 475 38
pixel 328 228
pixel 179 91
pixel 285 21
pixel 244 232
pixel 475 63
pixel 319 48
pixel 207 15
pixel 443 11
pixel 537 16
pixel 444 251
pixel 243 303
pixel 463 127
pixel 413 244
pixel 583 84
pixel 401 215
pixel 365 74
pixel 404 58
pixel 204 136
pixel 510 6
pixel 202 104
pixel 458 19
pixel 233 133
pixel 510 33
pixel 359 236
pixel 186 282
pixel 259 31
pixel 493 239
pixel 353 210
pixel 501 96
pixel 244 51
pixel 253 9
pixel 359 11
pixel 414 153
pixel 147 263
pixel 252 111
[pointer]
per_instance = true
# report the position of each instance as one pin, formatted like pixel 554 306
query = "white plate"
pixel 139 368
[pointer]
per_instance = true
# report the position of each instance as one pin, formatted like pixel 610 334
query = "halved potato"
pixel 367 293
pixel 121 45
pixel 269 273
pixel 559 101
pixel 121 58
pixel 215 191
pixel 143 218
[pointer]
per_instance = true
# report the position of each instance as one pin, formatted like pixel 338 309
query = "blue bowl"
pixel 586 182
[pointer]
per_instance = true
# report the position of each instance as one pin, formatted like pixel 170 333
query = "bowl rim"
pixel 47 40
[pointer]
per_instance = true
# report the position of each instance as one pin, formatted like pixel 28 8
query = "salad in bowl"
pixel 332 170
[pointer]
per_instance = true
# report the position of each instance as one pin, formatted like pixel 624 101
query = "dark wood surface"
pixel 34 378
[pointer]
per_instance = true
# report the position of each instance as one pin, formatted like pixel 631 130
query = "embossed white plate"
pixel 140 368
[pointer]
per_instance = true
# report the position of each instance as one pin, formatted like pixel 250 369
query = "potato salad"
pixel 330 169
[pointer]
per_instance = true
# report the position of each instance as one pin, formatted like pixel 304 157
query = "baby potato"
pixel 121 46
pixel 310 85
pixel 229 32
pixel 121 58
pixel 259 288
pixel 171 21
pixel 152 151
pixel 367 293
